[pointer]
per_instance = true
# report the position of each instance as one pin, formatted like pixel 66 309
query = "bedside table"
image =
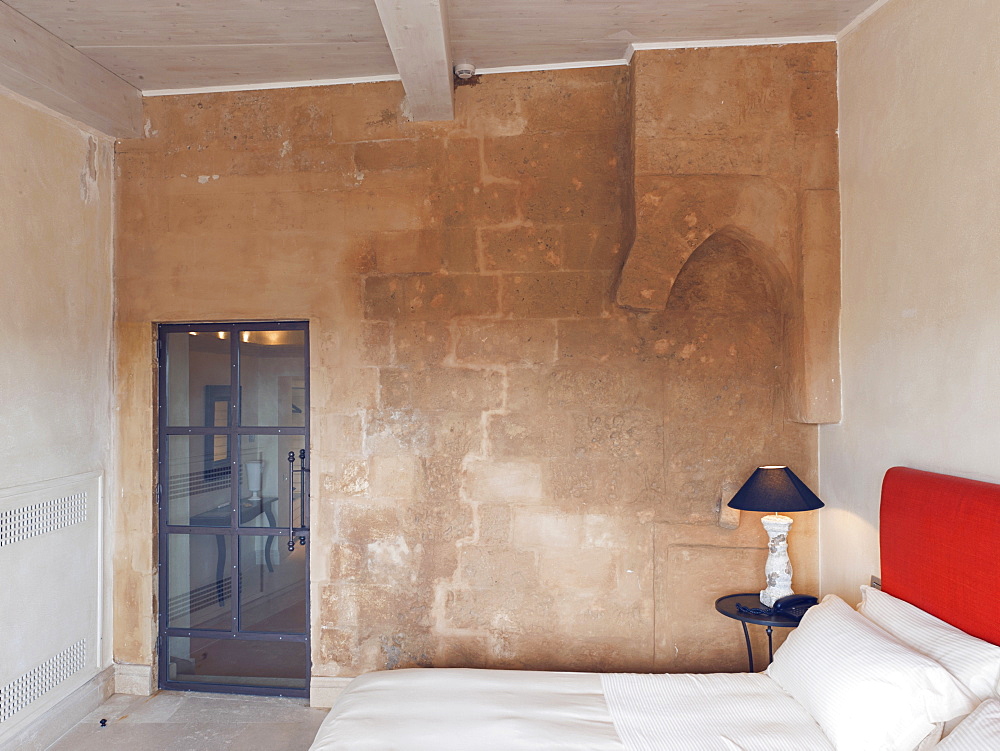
pixel 727 606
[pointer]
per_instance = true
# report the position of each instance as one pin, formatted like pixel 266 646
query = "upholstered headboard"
pixel 940 540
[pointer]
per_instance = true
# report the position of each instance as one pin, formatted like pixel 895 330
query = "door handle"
pixel 291 501
pixel 302 470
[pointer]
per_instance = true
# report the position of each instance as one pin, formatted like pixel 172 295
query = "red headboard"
pixel 940 540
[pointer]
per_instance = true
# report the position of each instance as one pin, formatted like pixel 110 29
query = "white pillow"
pixel 976 663
pixel 866 690
pixel 979 731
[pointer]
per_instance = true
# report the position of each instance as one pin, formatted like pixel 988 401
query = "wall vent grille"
pixel 20 692
pixel 39 518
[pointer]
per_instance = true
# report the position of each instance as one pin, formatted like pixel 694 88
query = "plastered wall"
pixel 509 468
pixel 919 111
pixel 56 200
pixel 55 295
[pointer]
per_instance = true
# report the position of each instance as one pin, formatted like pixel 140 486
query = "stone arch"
pixel 776 272
pixel 777 281
pixel 722 345
pixel 675 216
pixel 673 219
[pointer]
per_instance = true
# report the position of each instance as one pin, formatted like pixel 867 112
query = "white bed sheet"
pixel 496 710
pixel 441 709
pixel 716 712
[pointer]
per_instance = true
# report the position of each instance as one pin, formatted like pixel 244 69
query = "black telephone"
pixel 794 605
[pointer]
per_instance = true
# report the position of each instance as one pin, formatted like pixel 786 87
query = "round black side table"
pixel 727 606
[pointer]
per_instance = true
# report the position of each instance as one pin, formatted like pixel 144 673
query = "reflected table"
pixel 220 516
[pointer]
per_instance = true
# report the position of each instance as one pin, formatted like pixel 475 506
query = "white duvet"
pixel 496 710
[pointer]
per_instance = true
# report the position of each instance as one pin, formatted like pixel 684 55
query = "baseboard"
pixel 136 680
pixel 324 690
pixel 48 727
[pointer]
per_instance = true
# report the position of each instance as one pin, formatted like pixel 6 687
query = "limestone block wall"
pixel 743 141
pixel 509 469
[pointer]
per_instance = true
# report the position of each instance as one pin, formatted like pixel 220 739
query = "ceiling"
pixel 189 44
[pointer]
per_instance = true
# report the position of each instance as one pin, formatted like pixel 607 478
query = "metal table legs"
pixel 770 649
pixel 746 635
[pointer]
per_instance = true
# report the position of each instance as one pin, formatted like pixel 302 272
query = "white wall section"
pixel 56 440
pixel 51 552
pixel 920 193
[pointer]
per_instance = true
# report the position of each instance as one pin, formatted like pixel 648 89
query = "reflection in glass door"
pixel 233 505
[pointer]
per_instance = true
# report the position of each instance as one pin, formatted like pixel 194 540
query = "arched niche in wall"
pixel 804 273
pixel 721 342
pixel 794 239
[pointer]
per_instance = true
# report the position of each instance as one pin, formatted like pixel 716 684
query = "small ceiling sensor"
pixel 465 71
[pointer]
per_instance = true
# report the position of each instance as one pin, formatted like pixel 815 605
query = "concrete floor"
pixel 180 721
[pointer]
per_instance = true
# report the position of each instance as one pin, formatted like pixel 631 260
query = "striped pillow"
pixel 976 663
pixel 866 690
pixel 977 732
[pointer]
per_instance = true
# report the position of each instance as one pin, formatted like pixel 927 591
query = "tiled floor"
pixel 175 721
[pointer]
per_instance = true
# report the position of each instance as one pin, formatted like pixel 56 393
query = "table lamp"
pixel 778 491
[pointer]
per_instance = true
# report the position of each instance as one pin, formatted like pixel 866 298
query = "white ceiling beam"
pixel 417 31
pixel 38 65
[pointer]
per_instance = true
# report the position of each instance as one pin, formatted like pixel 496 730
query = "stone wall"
pixel 738 142
pixel 509 469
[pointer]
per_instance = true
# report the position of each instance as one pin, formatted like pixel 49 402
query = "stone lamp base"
pixel 778 569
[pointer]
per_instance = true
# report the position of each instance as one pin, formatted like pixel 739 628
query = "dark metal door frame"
pixel 235 530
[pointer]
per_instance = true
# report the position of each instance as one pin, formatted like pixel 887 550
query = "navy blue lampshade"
pixel 775 490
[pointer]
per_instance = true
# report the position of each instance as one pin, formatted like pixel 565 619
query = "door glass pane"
pixel 272 378
pixel 198 377
pixel 264 485
pixel 227 573
pixel 238 662
pixel 273 593
pixel 199 583
pixel 199 477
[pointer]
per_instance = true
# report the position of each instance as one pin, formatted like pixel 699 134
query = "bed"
pixel 896 674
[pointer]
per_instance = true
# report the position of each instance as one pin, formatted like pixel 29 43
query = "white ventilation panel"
pixel 41 679
pixel 50 601
pixel 20 523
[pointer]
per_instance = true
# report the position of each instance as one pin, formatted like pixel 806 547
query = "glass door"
pixel 233 494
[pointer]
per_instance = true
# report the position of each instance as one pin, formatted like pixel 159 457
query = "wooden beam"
pixel 42 67
pixel 417 31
